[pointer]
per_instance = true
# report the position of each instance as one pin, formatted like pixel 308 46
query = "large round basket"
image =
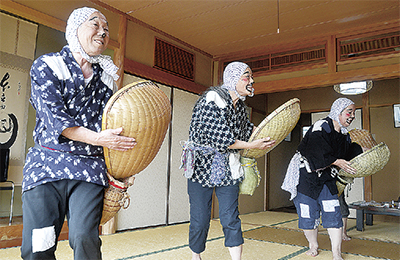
pixel 144 112
pixel 362 137
pixel 115 197
pixel 276 125
pixel 369 162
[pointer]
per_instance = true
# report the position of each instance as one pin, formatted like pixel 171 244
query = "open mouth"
pixel 349 120
pixel 99 42
pixel 250 89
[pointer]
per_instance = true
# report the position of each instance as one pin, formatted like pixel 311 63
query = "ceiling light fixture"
pixel 278 16
pixel 353 88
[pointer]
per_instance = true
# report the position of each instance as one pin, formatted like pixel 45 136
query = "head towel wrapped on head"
pixel 232 74
pixel 336 109
pixel 78 17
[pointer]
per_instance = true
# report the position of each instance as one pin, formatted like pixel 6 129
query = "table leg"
pixel 360 219
pixel 369 219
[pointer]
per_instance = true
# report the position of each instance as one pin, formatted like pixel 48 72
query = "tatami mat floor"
pixel 171 242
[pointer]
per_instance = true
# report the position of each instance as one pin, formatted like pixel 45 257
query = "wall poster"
pixel 17 47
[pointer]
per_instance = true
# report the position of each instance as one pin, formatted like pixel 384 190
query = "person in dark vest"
pixel 311 175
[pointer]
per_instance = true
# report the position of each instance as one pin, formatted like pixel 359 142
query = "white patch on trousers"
pixel 329 205
pixel 304 210
pixel 43 239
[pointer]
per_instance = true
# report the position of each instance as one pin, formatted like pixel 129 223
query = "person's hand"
pixel 345 165
pixel 263 143
pixel 112 139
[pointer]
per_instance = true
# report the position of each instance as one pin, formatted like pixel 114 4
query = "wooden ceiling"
pixel 222 28
pixel 227 30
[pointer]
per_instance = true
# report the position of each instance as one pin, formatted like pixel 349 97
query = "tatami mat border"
pixel 165 250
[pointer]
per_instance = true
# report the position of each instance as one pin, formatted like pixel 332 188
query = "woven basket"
pixel 362 137
pixel 251 176
pixel 144 113
pixel 369 162
pixel 276 125
pixel 342 182
pixel 115 197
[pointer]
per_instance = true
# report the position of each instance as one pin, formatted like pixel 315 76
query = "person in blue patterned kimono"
pixel 311 175
pixel 219 128
pixel 65 172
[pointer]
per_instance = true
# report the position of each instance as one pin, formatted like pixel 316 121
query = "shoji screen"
pixel 149 193
pixel 183 103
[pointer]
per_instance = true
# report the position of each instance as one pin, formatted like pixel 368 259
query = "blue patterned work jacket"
pixel 61 101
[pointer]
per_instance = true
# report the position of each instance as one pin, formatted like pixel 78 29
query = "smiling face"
pixel 93 34
pixel 245 84
pixel 347 116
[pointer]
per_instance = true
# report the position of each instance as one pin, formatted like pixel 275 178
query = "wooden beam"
pixel 141 70
pixel 328 79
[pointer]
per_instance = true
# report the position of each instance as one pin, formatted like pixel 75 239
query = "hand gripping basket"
pixel 369 162
pixel 362 137
pixel 276 125
pixel 144 112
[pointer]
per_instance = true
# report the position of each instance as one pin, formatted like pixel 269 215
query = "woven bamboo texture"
pixel 369 162
pixel 144 113
pixel 362 137
pixel 341 185
pixel 276 125
pixel 115 197
pixel 251 176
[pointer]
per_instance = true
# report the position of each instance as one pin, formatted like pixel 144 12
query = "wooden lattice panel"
pixel 173 60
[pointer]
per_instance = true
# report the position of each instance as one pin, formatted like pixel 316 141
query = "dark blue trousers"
pixel 44 210
pixel 200 215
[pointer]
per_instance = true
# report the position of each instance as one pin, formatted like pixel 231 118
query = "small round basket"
pixel 276 125
pixel 369 162
pixel 362 137
pixel 251 176
pixel 115 197
pixel 342 182
pixel 144 112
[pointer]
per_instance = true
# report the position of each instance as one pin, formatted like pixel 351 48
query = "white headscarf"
pixel 232 74
pixel 78 17
pixel 337 107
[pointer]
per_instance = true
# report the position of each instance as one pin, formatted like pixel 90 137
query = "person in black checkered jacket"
pixel 219 129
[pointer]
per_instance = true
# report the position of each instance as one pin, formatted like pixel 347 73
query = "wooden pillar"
pixel 119 53
pixel 366 126
pixel 267 168
pixel 119 56
pixel 109 227
pixel 331 54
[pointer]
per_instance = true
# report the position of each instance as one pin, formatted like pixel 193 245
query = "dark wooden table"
pixel 369 211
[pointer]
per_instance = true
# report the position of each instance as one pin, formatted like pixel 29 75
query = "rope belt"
pixel 218 163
